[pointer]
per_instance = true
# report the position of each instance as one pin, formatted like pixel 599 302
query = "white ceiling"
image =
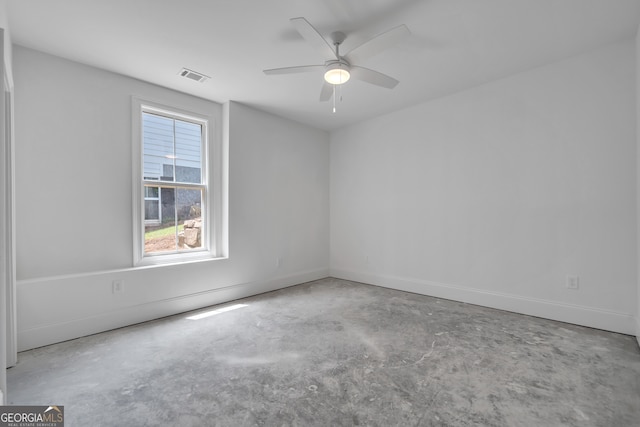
pixel 455 44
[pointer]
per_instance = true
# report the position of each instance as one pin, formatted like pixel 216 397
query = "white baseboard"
pixel 50 333
pixel 580 315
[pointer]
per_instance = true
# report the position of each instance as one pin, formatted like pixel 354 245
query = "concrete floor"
pixel 333 352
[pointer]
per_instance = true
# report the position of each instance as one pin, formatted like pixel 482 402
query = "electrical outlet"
pixel 278 262
pixel 117 286
pixel 573 282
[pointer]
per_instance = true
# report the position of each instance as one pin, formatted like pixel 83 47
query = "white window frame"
pixel 212 166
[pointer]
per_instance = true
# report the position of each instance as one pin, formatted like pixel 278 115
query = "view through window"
pixel 174 183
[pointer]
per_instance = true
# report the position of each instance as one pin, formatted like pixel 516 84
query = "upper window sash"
pixel 173 147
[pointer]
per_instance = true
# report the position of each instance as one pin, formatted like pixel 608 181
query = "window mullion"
pixel 175 177
pixel 175 190
pixel 175 217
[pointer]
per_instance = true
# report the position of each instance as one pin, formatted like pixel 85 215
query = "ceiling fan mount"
pixel 340 69
pixel 338 37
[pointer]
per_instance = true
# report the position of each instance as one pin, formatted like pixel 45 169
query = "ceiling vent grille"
pixel 193 75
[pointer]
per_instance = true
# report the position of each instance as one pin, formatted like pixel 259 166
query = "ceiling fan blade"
pixel 373 77
pixel 326 92
pixel 293 70
pixel 377 44
pixel 312 36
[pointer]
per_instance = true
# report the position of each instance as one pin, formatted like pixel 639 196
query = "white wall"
pixel 7 250
pixel 490 196
pixel 5 64
pixel 73 201
pixel 495 194
pixel 637 52
pixel 8 47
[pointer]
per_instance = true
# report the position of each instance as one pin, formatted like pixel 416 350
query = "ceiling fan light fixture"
pixel 337 74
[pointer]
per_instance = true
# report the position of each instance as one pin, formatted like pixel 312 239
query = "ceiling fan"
pixel 338 69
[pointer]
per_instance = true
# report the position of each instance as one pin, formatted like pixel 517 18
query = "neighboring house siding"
pixel 158 148
pixel 162 163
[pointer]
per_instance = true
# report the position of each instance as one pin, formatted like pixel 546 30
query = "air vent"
pixel 193 75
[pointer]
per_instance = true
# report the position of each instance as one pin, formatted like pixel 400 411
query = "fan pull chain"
pixel 334 98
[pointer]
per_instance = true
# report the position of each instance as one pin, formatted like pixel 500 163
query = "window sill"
pixel 177 259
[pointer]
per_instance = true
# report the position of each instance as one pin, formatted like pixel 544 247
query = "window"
pixel 152 206
pixel 172 192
